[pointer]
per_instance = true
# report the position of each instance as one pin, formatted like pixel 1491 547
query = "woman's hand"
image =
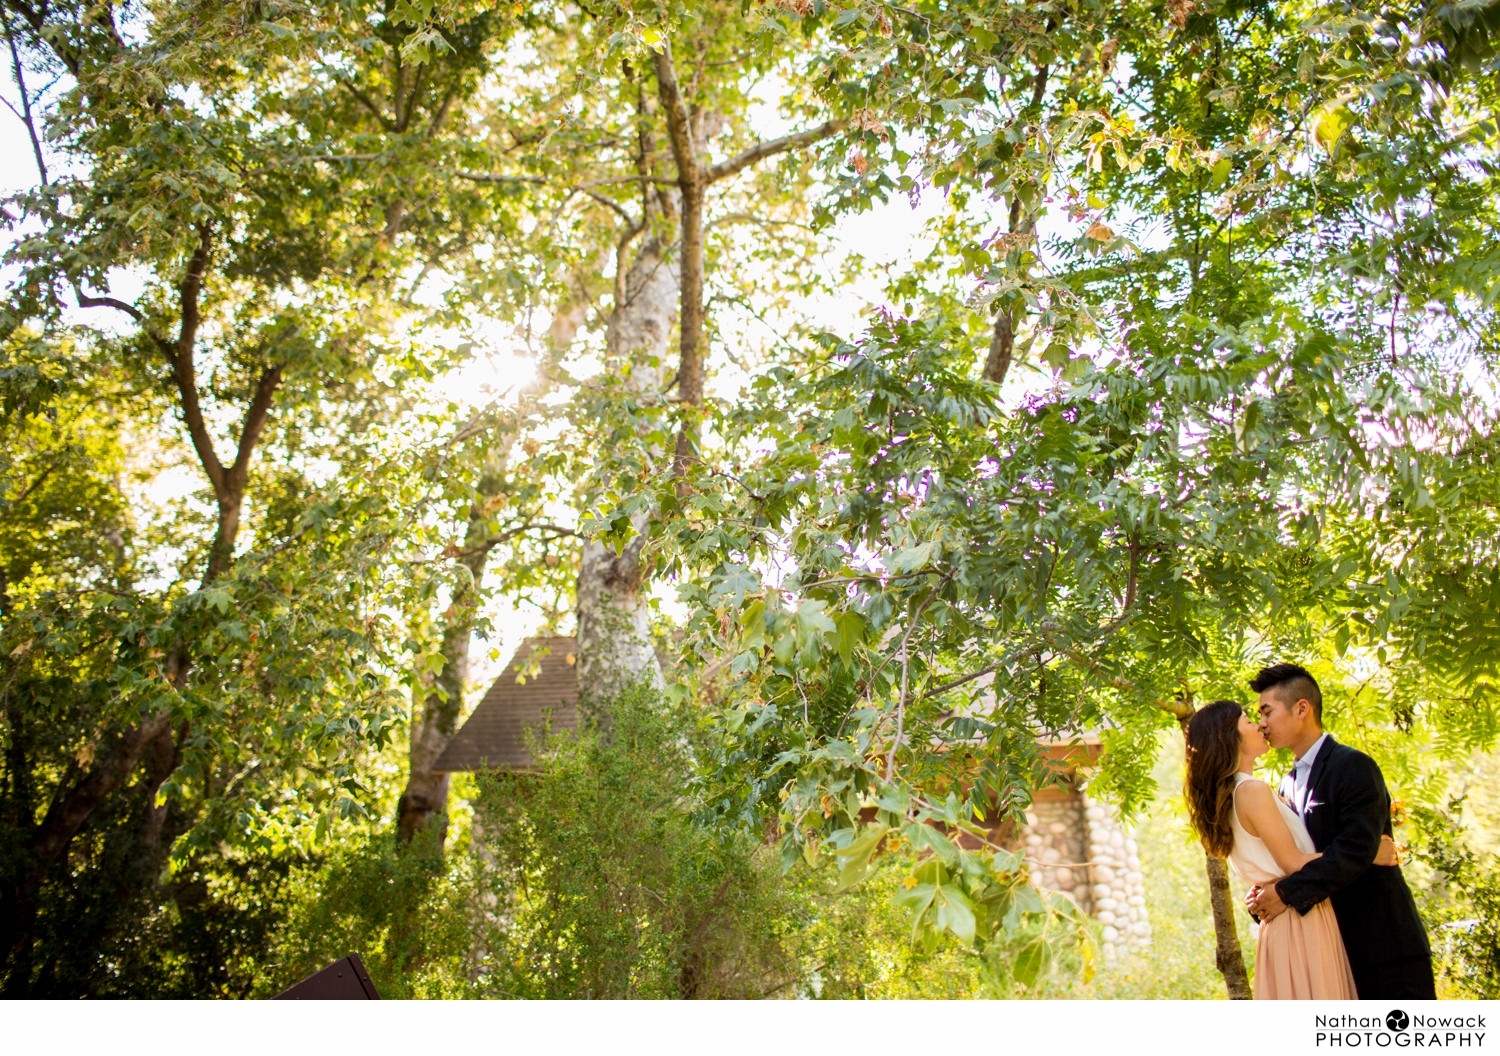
pixel 1388 854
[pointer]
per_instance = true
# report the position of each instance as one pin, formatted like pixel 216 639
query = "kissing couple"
pixel 1337 920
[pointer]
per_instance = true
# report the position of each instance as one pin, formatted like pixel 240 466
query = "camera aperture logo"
pixel 1398 1030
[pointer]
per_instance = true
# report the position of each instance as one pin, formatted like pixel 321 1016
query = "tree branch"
pixel 255 421
pixel 610 203
pixel 412 98
pixel 987 669
pixel 440 113
pixel 67 815
pixel 916 619
pixel 771 147
pixel 1003 340
pixel 87 301
pixel 368 103
pixel 25 115
pixel 496 177
pixel 39 480
pixel 554 531
pixel 181 356
pixel 679 125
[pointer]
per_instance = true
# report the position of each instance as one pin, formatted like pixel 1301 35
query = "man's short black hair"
pixel 1295 684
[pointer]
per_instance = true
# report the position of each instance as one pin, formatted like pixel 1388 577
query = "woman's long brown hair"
pixel 1213 756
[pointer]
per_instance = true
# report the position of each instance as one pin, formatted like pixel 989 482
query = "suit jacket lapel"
pixel 1315 800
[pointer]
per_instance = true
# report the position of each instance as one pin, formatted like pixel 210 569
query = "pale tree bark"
pixel 614 639
pixel 1227 956
pixel 664 282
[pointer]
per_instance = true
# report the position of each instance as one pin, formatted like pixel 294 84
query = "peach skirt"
pixel 1301 958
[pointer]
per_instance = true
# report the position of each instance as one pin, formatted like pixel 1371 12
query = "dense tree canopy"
pixel 1196 368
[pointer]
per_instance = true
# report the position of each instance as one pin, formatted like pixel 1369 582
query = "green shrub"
pixel 1460 904
pixel 412 914
pixel 607 883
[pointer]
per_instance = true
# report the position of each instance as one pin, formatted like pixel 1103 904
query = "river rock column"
pixel 1119 893
pixel 1055 843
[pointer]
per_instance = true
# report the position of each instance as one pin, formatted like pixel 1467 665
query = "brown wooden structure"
pixel 343 980
pixel 537 692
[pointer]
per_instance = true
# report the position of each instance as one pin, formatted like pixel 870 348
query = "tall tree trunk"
pixel 1227 956
pixel 1022 232
pixel 614 640
pixel 425 798
pixel 614 644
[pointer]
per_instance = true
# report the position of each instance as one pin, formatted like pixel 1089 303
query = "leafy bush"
pixel 1461 904
pixel 608 883
pixel 412 914
pixel 603 875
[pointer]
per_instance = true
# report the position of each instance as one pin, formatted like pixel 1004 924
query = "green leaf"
pixel 850 633
pixel 955 913
pixel 1330 125
pixel 913 558
pixel 753 620
pixel 926 837
pixel 1031 961
pixel 1219 174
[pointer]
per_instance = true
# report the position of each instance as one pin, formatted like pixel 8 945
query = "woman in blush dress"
pixel 1297 957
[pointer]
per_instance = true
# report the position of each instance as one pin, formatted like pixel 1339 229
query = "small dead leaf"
pixel 865 119
pixel 1099 232
pixel 1007 241
pixel 531 446
pixel 1107 52
pixel 1179 10
pixel 859 162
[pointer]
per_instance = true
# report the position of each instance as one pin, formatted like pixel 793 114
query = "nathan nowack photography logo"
pixel 1398 1030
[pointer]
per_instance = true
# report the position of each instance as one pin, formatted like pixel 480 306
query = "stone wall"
pixel 1055 840
pixel 1115 870
pixel 1075 846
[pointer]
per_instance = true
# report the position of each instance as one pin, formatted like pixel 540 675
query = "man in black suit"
pixel 1343 800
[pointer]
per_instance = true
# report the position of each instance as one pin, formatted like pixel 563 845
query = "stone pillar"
pixel 1119 894
pixel 1055 843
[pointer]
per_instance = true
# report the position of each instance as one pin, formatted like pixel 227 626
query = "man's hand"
pixel 1251 896
pixel 1264 903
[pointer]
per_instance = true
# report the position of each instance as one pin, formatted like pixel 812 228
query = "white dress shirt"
pixel 1302 775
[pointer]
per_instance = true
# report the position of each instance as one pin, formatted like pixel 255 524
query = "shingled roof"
pixel 538 687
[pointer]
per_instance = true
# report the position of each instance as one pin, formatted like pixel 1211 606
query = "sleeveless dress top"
pixel 1297 957
pixel 1251 858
